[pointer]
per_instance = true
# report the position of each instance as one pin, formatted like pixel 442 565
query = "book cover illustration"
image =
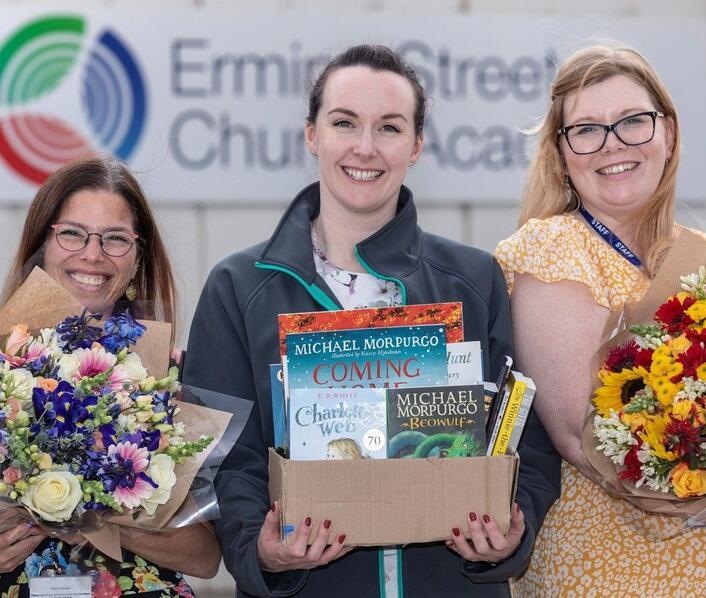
pixel 448 314
pixel 437 421
pixel 346 423
pixel 367 357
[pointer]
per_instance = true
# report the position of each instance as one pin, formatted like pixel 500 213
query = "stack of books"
pixel 390 382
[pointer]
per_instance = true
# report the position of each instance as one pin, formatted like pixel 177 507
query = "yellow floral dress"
pixel 591 543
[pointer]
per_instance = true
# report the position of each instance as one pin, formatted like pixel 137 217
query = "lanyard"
pixel 610 238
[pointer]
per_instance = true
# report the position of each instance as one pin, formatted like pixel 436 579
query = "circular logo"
pixel 374 439
pixel 35 62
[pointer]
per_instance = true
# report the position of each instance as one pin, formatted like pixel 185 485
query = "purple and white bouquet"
pixel 84 429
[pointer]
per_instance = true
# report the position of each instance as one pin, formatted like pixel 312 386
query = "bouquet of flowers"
pixel 651 406
pixel 84 429
pixel 644 439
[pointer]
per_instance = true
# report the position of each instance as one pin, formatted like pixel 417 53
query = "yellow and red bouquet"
pixel 651 406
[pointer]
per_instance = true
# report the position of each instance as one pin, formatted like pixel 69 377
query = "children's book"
pixel 513 412
pixel 367 358
pixel 436 421
pixel 337 423
pixel 448 314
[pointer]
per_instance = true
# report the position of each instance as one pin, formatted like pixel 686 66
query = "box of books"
pixel 383 417
pixel 384 502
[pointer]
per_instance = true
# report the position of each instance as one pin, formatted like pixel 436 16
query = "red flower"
pixel 694 356
pixel 682 438
pixel 632 469
pixel 672 315
pixel 628 356
pixel 106 586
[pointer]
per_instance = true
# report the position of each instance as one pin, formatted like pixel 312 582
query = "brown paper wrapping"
pixel 687 253
pixel 202 421
pixel 41 302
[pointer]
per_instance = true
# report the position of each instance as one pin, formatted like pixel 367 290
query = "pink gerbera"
pixel 94 361
pixel 88 363
pixel 124 474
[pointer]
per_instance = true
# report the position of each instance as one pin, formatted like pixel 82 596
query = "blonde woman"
pixel 596 219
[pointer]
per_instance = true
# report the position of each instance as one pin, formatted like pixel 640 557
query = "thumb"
pixel 517 523
pixel 270 527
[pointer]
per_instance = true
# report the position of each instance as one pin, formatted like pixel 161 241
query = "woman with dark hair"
pixel 90 227
pixel 351 240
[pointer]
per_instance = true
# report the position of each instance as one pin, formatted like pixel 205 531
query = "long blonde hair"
pixel 547 191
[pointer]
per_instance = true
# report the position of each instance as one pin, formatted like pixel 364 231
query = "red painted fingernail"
pixel 327 523
pixel 341 538
pixel 307 521
pixel 486 518
pixel 456 531
pixel 472 516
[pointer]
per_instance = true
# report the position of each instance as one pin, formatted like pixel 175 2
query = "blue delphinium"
pixel 76 333
pixel 121 331
pixel 161 403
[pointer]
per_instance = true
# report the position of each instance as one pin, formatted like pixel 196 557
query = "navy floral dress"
pixel 133 577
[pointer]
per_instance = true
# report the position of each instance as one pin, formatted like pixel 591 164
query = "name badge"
pixel 60 586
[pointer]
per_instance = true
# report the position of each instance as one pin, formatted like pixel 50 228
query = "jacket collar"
pixel 394 250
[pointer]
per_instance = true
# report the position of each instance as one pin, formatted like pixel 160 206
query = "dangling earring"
pixel 572 199
pixel 131 291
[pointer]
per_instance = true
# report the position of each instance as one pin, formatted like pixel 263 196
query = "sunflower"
pixel 617 389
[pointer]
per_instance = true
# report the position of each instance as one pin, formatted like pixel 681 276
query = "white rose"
pixel 18 384
pixel 54 495
pixel 69 365
pixel 161 470
pixel 134 369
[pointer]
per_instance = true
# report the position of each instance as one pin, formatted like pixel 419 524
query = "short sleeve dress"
pixel 591 543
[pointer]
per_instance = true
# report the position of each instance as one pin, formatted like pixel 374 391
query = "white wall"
pixel 200 233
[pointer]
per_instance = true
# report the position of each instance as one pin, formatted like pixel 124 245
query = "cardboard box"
pixel 378 502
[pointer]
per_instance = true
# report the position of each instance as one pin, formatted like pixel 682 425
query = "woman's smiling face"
pixel 95 279
pixel 365 138
pixel 619 180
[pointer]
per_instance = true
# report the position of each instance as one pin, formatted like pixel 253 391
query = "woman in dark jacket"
pixel 350 241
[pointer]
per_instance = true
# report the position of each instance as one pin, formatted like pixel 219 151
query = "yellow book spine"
pixel 508 421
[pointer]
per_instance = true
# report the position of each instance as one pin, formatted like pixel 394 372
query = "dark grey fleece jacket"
pixel 234 339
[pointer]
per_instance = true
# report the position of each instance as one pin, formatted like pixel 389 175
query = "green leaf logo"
pixel 35 60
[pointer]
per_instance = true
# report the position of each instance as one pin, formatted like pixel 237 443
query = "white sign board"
pixel 210 105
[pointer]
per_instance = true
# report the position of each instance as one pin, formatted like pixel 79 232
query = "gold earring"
pixel 131 292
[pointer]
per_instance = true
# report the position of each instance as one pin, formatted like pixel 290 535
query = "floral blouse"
pixel 354 289
pixel 133 577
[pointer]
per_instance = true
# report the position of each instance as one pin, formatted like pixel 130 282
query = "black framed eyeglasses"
pixel 72 237
pixel 589 138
